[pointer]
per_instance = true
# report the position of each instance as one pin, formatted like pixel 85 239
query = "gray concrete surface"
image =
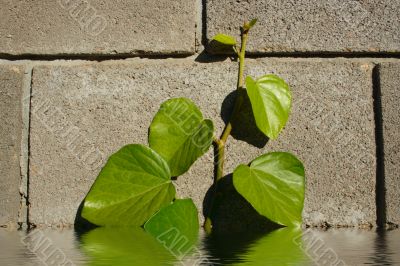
pixel 81 114
pixel 310 26
pixel 390 89
pixel 11 85
pixel 79 27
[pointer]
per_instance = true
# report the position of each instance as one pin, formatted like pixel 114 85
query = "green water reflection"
pixel 115 246
pixel 280 247
pixel 111 246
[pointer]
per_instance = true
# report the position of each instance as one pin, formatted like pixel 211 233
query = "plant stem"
pixel 220 143
pixel 241 59
pixel 238 104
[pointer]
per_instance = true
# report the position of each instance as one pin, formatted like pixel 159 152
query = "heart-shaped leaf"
pixel 225 39
pixel 274 185
pixel 271 100
pixel 176 226
pixel 180 134
pixel 133 185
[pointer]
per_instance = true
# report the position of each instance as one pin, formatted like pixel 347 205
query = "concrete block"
pixel 390 89
pixel 81 114
pixel 11 85
pixel 79 27
pixel 310 26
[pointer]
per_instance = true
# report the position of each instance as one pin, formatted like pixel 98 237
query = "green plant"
pixel 135 189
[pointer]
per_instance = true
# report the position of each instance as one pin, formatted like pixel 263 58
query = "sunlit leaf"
pixel 180 134
pixel 225 39
pixel 133 185
pixel 271 100
pixel 274 185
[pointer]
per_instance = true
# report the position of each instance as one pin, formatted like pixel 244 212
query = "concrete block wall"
pixel 80 79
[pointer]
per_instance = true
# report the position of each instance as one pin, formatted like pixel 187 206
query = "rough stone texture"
pixel 11 82
pixel 97 27
pixel 310 26
pixel 390 89
pixel 81 114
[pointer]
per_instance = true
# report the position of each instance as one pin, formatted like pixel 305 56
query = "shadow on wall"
pixel 244 125
pixel 232 213
pixel 81 225
pixel 215 52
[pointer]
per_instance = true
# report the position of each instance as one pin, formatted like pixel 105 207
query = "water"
pixel 103 246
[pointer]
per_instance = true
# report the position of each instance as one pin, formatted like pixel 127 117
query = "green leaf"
pixel 271 100
pixel 253 22
pixel 225 39
pixel 123 246
pixel 180 134
pixel 250 24
pixel 176 226
pixel 280 247
pixel 133 185
pixel 274 185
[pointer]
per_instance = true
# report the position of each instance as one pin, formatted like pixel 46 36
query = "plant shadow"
pixel 81 225
pixel 231 213
pixel 216 52
pixel 205 57
pixel 228 248
pixel 244 126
